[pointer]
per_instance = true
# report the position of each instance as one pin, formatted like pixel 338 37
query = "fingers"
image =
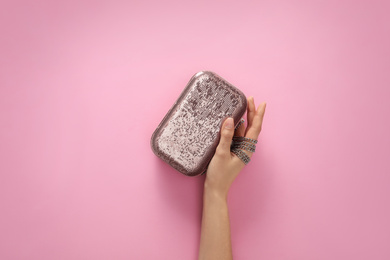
pixel 255 120
pixel 254 126
pixel 225 141
pixel 251 111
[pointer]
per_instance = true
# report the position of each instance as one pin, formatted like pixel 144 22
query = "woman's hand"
pixel 215 242
pixel 225 166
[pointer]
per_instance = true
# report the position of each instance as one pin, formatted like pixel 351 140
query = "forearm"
pixel 215 240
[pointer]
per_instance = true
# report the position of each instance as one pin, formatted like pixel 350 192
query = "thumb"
pixel 227 133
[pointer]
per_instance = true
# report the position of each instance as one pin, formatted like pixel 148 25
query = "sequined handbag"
pixel 188 135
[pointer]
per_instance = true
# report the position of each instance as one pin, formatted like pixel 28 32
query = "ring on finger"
pixel 239 123
pixel 240 154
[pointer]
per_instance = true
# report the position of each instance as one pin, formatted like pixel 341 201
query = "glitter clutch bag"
pixel 188 135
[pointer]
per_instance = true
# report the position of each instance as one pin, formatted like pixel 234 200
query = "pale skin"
pixel 224 167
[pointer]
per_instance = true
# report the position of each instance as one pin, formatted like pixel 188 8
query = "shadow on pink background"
pixel 83 85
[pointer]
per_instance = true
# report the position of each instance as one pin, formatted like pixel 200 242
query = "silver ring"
pixel 239 123
pixel 244 139
pixel 244 146
pixel 240 154
pixel 240 143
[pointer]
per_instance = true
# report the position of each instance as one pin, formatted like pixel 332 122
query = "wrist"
pixel 211 192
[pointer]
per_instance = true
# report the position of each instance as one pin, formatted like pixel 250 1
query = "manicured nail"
pixel 229 123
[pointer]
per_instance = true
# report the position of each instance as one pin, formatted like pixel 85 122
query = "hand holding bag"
pixel 189 133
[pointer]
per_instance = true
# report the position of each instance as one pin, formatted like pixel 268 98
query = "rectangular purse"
pixel 189 133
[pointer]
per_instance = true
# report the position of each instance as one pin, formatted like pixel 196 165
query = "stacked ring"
pixel 240 154
pixel 240 143
pixel 244 146
pixel 244 139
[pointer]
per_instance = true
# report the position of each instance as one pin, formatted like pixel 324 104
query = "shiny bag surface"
pixel 188 135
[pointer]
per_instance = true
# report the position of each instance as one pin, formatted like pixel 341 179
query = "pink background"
pixel 83 84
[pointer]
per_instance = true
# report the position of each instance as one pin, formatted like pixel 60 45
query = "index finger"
pixel 254 127
pixel 255 121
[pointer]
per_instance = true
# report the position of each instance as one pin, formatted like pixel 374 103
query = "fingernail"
pixel 229 123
